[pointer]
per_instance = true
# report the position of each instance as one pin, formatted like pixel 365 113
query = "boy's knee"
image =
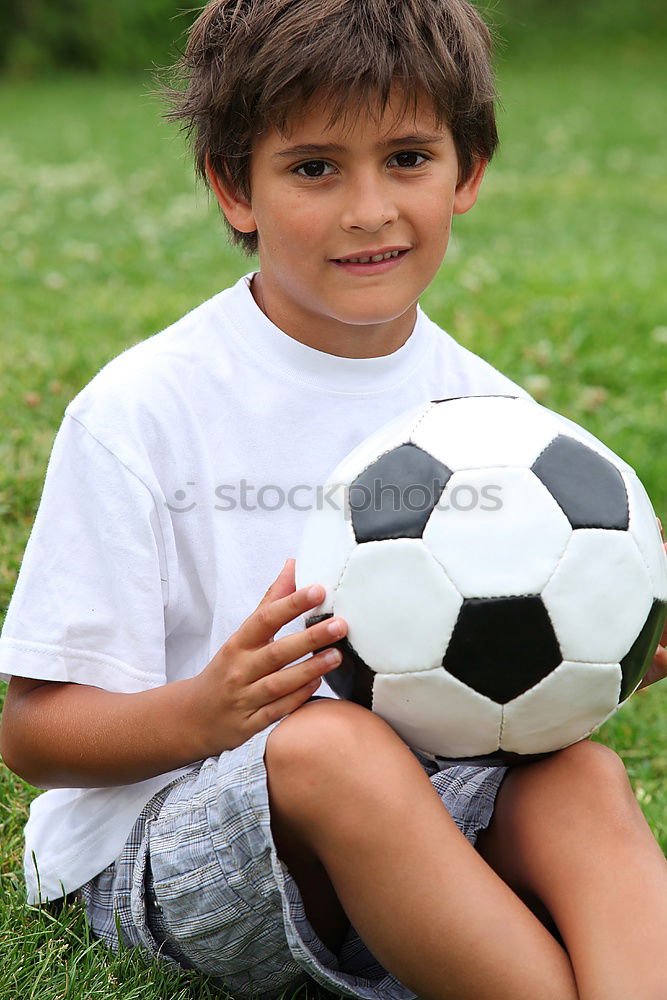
pixel 323 766
pixel 587 777
pixel 593 764
pixel 327 735
pixel 601 773
pixel 329 752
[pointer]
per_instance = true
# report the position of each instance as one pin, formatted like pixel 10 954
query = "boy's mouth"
pixel 372 256
pixel 371 263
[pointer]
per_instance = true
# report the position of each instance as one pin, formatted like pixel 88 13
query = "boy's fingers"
pixel 283 691
pixel 273 657
pixel 282 585
pixel 658 669
pixel 284 706
pixel 274 612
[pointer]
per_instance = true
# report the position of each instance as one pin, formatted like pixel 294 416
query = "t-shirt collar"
pixel 316 367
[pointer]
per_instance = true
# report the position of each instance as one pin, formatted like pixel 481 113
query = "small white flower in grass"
pixel 54 281
pixel 592 398
pixel 642 796
pixel 537 385
pixel 541 353
pixel 88 252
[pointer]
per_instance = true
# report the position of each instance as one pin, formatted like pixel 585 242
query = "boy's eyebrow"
pixel 313 148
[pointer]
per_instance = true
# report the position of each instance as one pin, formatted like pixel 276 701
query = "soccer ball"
pixel 501 572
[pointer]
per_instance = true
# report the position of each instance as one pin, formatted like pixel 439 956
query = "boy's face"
pixel 320 196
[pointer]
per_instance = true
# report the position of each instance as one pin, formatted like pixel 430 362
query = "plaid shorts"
pixel 199 882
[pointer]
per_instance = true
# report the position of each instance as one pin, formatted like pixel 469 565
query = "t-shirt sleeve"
pixel 88 606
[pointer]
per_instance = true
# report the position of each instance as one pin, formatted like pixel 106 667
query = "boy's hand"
pixel 658 669
pixel 46 734
pixel 243 689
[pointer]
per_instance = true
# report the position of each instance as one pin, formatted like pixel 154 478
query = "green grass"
pixel 556 278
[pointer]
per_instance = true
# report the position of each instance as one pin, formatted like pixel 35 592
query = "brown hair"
pixel 249 64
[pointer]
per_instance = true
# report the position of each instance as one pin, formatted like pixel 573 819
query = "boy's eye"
pixel 407 159
pixel 313 168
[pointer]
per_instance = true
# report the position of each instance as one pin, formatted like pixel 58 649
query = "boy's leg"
pixel 568 831
pixel 355 818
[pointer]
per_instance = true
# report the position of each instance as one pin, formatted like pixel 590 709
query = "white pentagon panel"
pixel 390 435
pixel 436 713
pixel 644 529
pixel 326 545
pixel 564 707
pixel 599 596
pixel 500 543
pixel 399 605
pixel 475 432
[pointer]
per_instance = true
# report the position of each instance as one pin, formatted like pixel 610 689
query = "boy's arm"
pixel 62 735
pixel 58 735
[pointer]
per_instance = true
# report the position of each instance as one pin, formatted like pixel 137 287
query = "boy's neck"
pixel 364 341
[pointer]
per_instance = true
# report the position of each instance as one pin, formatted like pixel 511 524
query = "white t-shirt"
pixel 178 485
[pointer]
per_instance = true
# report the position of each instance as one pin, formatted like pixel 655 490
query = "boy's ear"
pixel 467 190
pixel 237 209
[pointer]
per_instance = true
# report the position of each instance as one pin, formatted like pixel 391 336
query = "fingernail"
pixel 314 593
pixel 333 656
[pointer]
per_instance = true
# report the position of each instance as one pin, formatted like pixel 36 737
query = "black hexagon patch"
pixel 589 490
pixel 394 497
pixel 502 646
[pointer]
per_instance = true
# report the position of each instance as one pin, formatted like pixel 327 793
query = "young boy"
pixel 197 790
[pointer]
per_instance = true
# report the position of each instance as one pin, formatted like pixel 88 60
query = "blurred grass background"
pixel 38 36
pixel 557 278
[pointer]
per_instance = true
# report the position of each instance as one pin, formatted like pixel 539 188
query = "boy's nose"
pixel 368 206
